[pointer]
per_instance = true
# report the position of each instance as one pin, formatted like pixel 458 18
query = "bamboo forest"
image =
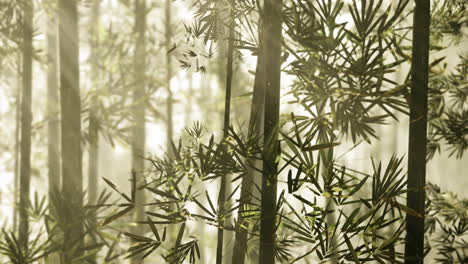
pixel 233 131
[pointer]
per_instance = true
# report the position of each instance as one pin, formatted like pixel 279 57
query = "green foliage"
pixel 448 95
pixel 448 18
pixel 39 245
pixel 176 184
pixel 373 214
pixel 11 248
pixel 447 226
pixel 144 243
pixel 51 220
pixel 343 69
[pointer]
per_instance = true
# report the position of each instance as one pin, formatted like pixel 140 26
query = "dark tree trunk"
pixel 138 112
pixel 227 114
pixel 255 129
pixel 414 246
pixel 72 179
pixel 53 111
pixel 271 31
pixel 26 120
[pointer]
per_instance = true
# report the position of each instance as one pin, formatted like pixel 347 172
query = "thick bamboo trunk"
pixel 72 179
pixel 255 129
pixel 26 120
pixel 138 113
pixel 53 111
pixel 414 246
pixel 271 31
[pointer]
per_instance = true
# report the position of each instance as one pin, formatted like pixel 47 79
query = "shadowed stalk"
pixel 72 178
pixel 138 114
pixel 255 130
pixel 26 120
pixel 53 125
pixel 52 109
pixel 227 112
pixel 414 246
pixel 271 28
